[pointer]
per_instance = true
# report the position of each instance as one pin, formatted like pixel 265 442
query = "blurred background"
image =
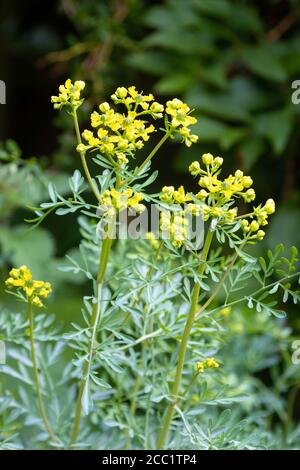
pixel 233 61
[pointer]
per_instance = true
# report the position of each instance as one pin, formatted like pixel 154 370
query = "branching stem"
pixel 183 346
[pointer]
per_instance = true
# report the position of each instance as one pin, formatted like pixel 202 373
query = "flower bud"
pixel 207 158
pixel 104 107
pixel 270 206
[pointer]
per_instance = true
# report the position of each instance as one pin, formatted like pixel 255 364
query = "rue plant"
pixel 148 352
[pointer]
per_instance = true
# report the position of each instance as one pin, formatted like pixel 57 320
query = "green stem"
pixel 106 247
pixel 152 153
pixel 183 346
pixel 218 287
pixel 104 256
pixel 36 376
pixel 190 384
pixel 83 159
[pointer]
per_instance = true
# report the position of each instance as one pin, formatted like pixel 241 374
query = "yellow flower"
pixel 21 278
pixel 180 196
pixel 254 226
pixel 249 195
pixel 174 226
pixel 218 161
pixel 36 301
pixel 245 225
pixel 216 211
pixel 230 215
pixel 200 367
pixel 157 109
pixel 207 158
pixel 180 120
pixel 202 195
pixel 270 206
pixel 194 168
pixel 260 234
pixel 118 135
pixel 167 194
pixel 172 196
pixel 120 93
pixel 29 290
pixel 217 196
pixel 114 201
pixel 209 363
pixel 69 95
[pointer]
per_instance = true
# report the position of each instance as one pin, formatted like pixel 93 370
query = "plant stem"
pixel 183 346
pixel 107 242
pixel 104 256
pixel 152 153
pixel 83 159
pixel 36 376
pixel 218 287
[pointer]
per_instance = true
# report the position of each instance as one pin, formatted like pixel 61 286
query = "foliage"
pixel 233 66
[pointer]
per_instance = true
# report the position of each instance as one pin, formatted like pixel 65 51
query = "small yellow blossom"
pixel 254 226
pixel 174 226
pixel 260 234
pixel 180 120
pixel 216 197
pixel 209 363
pixel 172 196
pixel 207 158
pixel 249 195
pixel 21 278
pixel 36 301
pixel 69 95
pixel 195 169
pixel 114 201
pixel 175 223
pixel 270 206
pixel 120 135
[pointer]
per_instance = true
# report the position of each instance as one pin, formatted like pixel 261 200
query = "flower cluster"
pixel 221 191
pixel 180 121
pixel 251 228
pixel 209 363
pixel 114 201
pixel 215 200
pixel 217 196
pixel 175 226
pixel 172 196
pixel 69 95
pixel 21 278
pixel 119 135
pixel 175 222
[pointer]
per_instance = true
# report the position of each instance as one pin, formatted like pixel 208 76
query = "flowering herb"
pixel 157 306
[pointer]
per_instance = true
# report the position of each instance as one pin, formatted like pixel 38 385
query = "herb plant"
pixel 148 359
